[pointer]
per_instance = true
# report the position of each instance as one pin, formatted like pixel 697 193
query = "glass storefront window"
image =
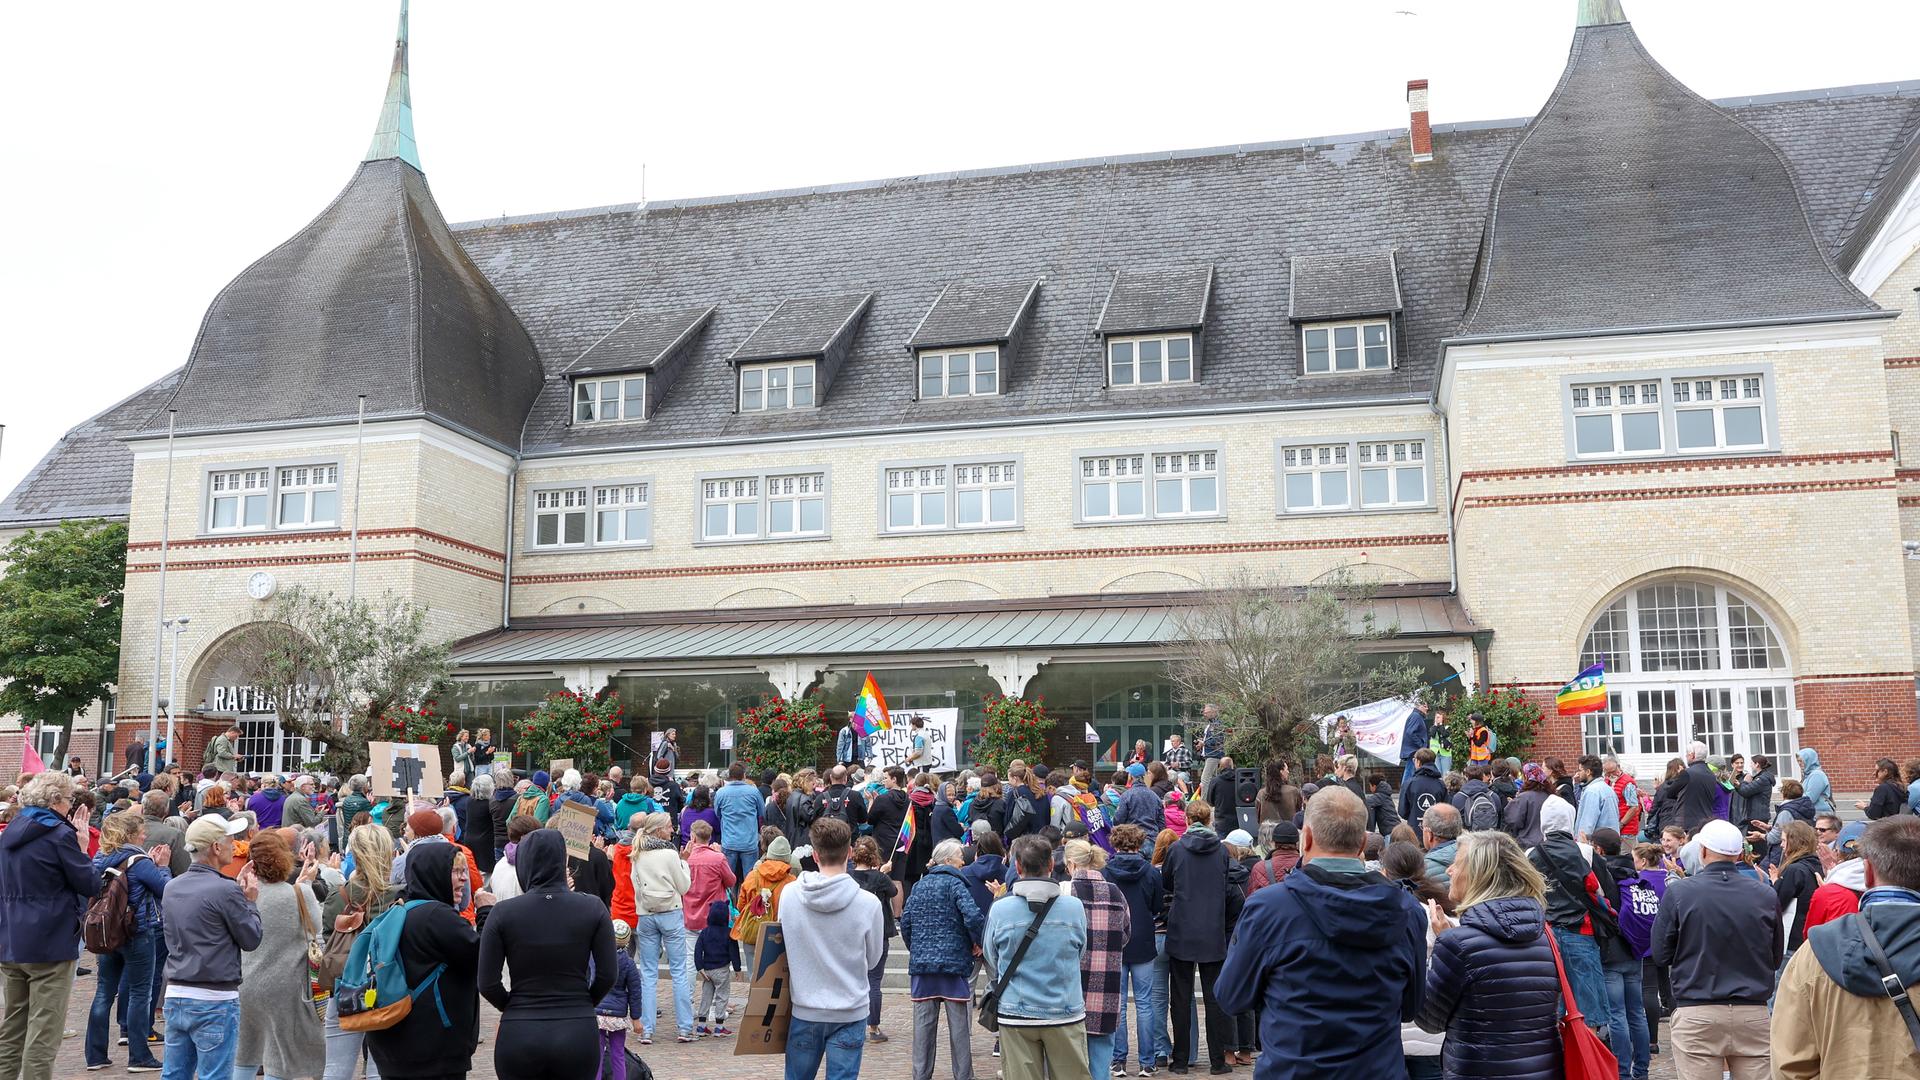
pixel 493 704
pixel 965 687
pixel 699 706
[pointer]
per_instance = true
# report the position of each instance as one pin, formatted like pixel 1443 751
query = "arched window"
pixel 1688 660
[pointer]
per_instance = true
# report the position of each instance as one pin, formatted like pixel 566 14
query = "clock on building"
pixel 260 585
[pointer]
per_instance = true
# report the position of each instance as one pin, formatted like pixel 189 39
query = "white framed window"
pixel 797 505
pixel 309 496
pixel 1339 348
pixel 765 387
pixel 622 514
pixel 1617 418
pixel 917 498
pixel 1186 484
pixel 730 509
pixel 1113 488
pixel 1393 474
pixel 960 373
pixel 620 398
pixel 1150 361
pixel 1317 477
pixel 1719 412
pixel 237 501
pixel 1603 731
pixel 560 518
pixel 985 495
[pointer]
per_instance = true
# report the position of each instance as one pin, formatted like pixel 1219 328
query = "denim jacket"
pixel 1046 987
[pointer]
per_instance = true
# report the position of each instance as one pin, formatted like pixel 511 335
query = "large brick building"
pixel 1624 380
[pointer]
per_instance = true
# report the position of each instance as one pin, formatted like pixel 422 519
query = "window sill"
pixel 908 534
pixel 746 541
pixel 586 549
pixel 1673 456
pixel 301 533
pixel 1368 511
pixel 1213 519
pixel 1128 388
pixel 1305 374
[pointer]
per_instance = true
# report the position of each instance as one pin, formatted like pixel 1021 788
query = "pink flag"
pixel 29 757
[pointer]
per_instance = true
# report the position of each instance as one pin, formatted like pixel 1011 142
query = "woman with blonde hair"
pixel 1492 986
pixel 367 895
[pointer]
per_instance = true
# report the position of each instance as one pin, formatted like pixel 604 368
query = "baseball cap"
pixel 1721 838
pixel 1240 838
pixel 1075 828
pixel 1848 842
pixel 211 829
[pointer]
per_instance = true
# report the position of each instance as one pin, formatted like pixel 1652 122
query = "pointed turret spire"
pixel 393 136
pixel 1600 13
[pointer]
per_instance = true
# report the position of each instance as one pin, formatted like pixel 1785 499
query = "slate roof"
pixel 972 314
pixel 806 327
pixel 641 340
pixel 89 472
pixel 1631 202
pixel 372 297
pixel 1343 284
pixel 1140 301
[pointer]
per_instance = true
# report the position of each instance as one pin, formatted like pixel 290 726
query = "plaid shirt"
pixel 1109 926
pixel 1177 759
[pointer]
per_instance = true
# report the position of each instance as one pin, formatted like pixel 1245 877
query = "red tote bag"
pixel 1582 1055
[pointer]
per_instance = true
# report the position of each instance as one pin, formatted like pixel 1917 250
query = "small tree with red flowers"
pixel 1012 728
pixel 570 724
pixel 783 734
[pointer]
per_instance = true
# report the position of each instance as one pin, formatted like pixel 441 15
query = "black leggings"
pixel 540 1049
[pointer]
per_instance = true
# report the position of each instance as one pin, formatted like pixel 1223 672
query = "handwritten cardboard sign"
pixel 559 766
pixel 575 823
pixel 394 769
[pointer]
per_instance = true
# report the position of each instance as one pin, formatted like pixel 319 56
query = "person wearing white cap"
pixel 1577 911
pixel 1720 932
pixel 209 921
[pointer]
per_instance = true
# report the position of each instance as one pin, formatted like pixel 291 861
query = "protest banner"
pixel 1377 727
pixel 763 1027
pixel 575 822
pixel 399 769
pixel 895 745
pixel 726 738
pixel 558 766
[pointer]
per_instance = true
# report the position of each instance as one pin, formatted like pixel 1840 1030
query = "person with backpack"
pixel 437 954
pixel 759 897
pixel 209 920
pixel 1423 788
pixel 127 909
pixel 366 895
pixel 841 801
pixel 1023 807
pixel 1481 809
pixel 1282 858
pixel 558 946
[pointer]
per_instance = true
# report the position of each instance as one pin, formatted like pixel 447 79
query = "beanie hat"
pixel 621 931
pixel 1286 832
pixel 425 823
pixel 541 778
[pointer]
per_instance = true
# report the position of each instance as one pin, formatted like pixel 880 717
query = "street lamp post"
pixel 176 625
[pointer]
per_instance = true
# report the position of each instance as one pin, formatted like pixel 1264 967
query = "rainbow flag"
pixel 1586 693
pixel 870 709
pixel 908 829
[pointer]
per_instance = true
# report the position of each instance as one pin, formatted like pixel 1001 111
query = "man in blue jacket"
pixel 741 809
pixel 45 883
pixel 1413 738
pixel 1333 957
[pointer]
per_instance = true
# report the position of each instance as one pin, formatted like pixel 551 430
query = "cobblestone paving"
pixel 707 1059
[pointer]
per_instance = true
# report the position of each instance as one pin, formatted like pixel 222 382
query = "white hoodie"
pixel 834 935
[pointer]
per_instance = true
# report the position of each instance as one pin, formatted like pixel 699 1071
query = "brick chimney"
pixel 1418 126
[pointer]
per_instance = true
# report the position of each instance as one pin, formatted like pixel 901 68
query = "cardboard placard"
pixel 726 738
pixel 575 823
pixel 394 769
pixel 558 766
pixel 763 1027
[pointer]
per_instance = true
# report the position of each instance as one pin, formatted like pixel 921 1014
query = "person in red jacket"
pixel 622 908
pixel 1845 882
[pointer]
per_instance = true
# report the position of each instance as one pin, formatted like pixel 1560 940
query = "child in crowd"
pixel 619 1010
pixel 715 956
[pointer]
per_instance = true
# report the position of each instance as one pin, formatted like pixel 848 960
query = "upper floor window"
pixel 970 495
pixel 238 500
pixel 772 507
pixel 1185 484
pixel 1359 474
pixel 963 373
pixel 776 386
pixel 1343 347
pixel 622 514
pixel 1645 416
pixel 309 496
pixel 1148 361
pixel 596 400
pixel 1719 413
pixel 1617 418
pixel 560 517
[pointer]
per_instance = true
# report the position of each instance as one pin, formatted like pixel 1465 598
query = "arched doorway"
pixel 1689 659
pixel 222 688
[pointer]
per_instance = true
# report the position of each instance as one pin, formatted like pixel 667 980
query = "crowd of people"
pixel 1097 921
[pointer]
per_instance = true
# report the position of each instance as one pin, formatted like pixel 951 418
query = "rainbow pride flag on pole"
pixel 870 709
pixel 1586 693
pixel 908 830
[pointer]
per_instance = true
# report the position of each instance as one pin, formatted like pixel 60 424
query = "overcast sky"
pixel 151 150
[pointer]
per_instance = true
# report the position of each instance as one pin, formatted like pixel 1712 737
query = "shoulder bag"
pixel 319 987
pixel 987 1009
pixel 1890 980
pixel 1583 1056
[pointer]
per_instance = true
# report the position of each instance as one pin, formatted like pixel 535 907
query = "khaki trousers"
pixel 1708 1039
pixel 35 1002
pixel 1058 1052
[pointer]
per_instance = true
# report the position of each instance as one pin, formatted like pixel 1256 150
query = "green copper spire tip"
pixel 393 136
pixel 1600 13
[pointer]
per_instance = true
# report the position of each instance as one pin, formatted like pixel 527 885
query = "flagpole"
pixel 160 613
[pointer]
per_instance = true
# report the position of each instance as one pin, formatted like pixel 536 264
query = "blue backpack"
pixel 372 990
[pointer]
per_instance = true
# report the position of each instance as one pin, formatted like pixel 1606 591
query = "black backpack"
pixel 1483 811
pixel 834 805
pixel 806 810
pixel 1021 814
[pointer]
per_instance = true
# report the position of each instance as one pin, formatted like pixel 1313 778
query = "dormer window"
pixel 960 373
pixel 1337 348
pixel 1148 361
pixel 766 387
pixel 602 400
